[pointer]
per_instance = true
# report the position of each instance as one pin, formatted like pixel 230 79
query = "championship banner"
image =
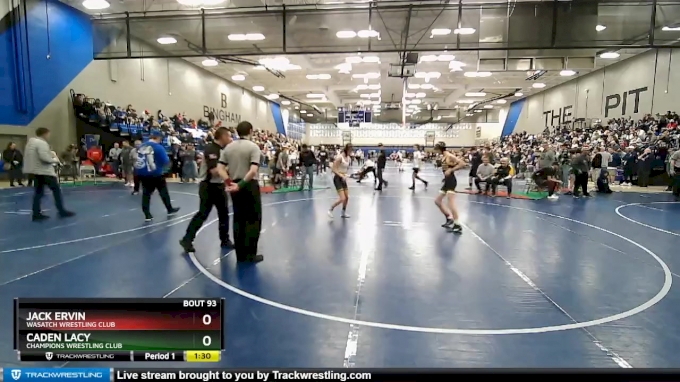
pixel 66 330
pixel 346 137
pixel 429 138
pixel 90 141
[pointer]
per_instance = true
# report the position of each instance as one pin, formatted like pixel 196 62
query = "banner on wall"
pixel 90 141
pixel 346 137
pixel 429 138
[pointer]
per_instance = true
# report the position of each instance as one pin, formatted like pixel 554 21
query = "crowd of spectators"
pixel 631 151
pixel 185 137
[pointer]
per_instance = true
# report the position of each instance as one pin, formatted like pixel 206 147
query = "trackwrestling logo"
pixel 16 374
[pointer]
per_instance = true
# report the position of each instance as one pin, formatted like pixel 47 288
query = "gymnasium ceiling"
pixel 333 53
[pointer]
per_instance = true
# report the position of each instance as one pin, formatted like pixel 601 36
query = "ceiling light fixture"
pixel 469 115
pixel 464 31
pixel 427 76
pixel 367 33
pixel 478 111
pixel 670 29
pixel 374 87
pixel 456 64
pixel 238 77
pixel 281 64
pixel 209 62
pixel 600 28
pixel 318 76
pixel 246 37
pixel 96 4
pixel 315 95
pixel 273 96
pixel 414 86
pixel 466 101
pixel 285 102
pixel 538 85
pixel 567 73
pixel 519 94
pixel 346 34
pixel 367 76
pixel 421 95
pixel 167 40
pixel 440 32
pixel 409 95
pixel 609 55
pixel 426 86
pixel 258 88
pixel 473 94
pixel 416 102
pixel 441 58
pixel 502 101
pixel 488 106
pixel 344 68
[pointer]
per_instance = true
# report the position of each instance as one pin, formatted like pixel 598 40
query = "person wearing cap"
pixel 150 165
pixel 382 161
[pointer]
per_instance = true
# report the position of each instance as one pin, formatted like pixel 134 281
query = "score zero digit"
pixel 207 341
pixel 199 303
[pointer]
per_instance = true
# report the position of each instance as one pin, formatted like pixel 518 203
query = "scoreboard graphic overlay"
pixel 63 330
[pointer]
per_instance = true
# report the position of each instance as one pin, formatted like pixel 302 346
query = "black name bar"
pixel 113 356
pixel 384 375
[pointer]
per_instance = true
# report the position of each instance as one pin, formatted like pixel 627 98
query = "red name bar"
pixel 94 320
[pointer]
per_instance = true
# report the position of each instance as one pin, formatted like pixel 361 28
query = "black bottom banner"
pixel 385 375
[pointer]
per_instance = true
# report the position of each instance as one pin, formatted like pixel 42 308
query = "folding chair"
pixel 87 170
pixel 530 185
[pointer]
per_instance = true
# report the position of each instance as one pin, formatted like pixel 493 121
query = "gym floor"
pixel 577 283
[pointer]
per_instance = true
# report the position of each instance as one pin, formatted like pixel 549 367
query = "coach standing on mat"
pixel 39 162
pixel 211 192
pixel 241 160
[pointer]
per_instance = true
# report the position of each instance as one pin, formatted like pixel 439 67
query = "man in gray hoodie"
pixel 40 161
pixel 484 173
pixel 547 157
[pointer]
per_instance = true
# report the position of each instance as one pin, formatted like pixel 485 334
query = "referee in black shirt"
pixel 212 192
pixel 382 161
